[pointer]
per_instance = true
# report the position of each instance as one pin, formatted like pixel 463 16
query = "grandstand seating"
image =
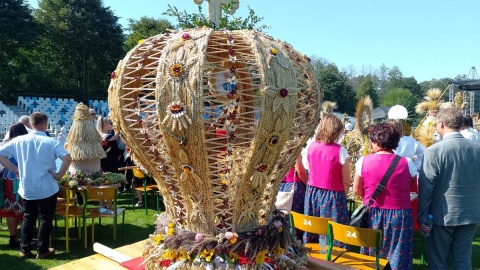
pixel 59 110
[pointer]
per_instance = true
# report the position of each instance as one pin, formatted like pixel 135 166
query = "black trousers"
pixel 45 210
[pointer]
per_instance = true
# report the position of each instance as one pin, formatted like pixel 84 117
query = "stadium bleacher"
pixel 59 110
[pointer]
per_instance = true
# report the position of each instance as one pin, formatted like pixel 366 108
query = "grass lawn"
pixel 138 226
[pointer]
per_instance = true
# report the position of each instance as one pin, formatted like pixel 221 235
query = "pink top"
pixel 397 192
pixel 291 177
pixel 325 167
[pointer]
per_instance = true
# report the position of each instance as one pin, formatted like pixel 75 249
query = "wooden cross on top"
pixel 215 9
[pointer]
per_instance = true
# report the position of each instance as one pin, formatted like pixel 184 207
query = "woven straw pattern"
pixel 83 139
pixel 217 118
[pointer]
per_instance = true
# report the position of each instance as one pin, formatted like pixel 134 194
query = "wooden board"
pixel 100 262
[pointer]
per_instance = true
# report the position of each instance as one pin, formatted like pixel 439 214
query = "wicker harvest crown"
pixel 217 118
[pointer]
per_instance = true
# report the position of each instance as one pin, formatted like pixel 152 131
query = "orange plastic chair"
pixel 357 237
pixel 317 225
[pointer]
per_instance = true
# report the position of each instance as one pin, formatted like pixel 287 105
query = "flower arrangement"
pixel 272 244
pixel 83 178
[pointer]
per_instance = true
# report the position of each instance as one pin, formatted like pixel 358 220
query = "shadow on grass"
pixel 12 262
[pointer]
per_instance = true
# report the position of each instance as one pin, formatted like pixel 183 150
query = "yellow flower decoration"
pixel 177 70
pixel 158 238
pixel 278 251
pixel 233 257
pixel 207 255
pixel 233 240
pixel 260 256
pixel 171 229
pixel 182 254
pixel 170 254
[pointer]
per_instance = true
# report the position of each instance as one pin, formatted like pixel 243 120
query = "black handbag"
pixel 359 217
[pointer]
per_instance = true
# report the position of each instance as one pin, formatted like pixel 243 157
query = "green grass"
pixel 138 226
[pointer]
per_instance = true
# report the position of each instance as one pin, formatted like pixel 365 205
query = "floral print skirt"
pixel 321 202
pixel 298 200
pixel 397 232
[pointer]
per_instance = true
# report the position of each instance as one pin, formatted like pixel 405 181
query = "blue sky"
pixel 425 39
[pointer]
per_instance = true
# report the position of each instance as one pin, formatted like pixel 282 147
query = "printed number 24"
pixel 350 234
pixel 307 222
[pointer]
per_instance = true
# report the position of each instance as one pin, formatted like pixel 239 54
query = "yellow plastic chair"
pixel 317 225
pixel 67 209
pixel 137 173
pixel 357 237
pixel 102 193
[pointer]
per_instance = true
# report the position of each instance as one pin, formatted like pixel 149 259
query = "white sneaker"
pixel 139 204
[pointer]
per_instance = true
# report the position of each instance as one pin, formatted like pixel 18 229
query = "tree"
pixel 227 21
pixel 144 28
pixel 368 89
pixel 434 83
pixel 335 86
pixel 80 46
pixel 411 84
pixel 401 96
pixel 17 34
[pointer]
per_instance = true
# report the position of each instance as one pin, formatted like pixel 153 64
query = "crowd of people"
pixel 28 156
pixel 446 179
pixel 447 183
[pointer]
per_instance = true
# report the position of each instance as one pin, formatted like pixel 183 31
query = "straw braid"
pixel 84 141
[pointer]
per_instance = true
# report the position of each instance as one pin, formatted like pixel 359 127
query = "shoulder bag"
pixel 359 217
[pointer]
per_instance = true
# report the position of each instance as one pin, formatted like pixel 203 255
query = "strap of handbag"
pixel 381 186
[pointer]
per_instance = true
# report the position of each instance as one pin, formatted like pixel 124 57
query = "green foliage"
pixel 367 89
pixel 83 40
pixel 335 85
pixel 401 96
pixel 227 21
pixel 442 84
pixel 144 28
pixel 18 33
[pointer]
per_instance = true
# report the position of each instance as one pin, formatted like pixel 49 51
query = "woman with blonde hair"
pixel 109 144
pixel 329 175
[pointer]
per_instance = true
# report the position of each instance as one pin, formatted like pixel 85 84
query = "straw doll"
pixel 356 142
pixel 84 142
pixel 425 132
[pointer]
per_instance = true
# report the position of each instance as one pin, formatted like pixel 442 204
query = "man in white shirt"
pixel 467 129
pixel 36 154
pixel 407 146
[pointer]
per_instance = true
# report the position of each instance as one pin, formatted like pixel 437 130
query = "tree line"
pixel 70 47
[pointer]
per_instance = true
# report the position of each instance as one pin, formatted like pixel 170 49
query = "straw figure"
pixel 84 142
pixel 425 132
pixel 356 142
pixel 327 108
pixel 217 118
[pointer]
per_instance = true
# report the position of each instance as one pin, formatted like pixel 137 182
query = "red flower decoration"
pixel 104 143
pixel 165 262
pixel 242 260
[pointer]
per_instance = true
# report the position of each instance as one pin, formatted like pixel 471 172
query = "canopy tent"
pixel 467 85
